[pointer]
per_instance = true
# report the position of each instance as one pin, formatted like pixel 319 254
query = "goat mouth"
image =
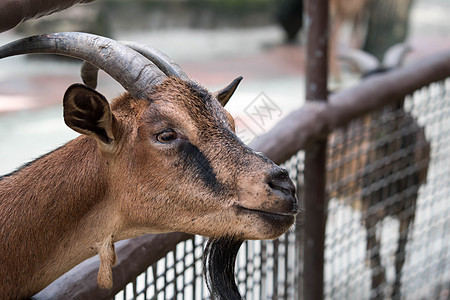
pixel 276 217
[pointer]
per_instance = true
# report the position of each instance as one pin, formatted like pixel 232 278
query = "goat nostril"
pixel 279 180
pixel 272 185
pixel 278 187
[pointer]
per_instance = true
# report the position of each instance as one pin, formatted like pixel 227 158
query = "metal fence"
pixel 388 217
pixel 389 211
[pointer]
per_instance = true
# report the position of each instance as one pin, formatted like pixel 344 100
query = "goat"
pixel 162 157
pixel 384 173
pixel 342 11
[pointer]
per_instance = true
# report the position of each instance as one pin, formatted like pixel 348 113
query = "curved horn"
pixel 364 62
pixel 160 59
pixel 126 66
pixel 395 56
pixel 89 73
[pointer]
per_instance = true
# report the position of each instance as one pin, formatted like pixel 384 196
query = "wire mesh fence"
pixel 388 221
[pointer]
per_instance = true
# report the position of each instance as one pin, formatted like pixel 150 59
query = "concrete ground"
pixel 31 90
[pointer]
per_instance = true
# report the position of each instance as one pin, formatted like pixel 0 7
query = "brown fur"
pixel 108 259
pixel 81 198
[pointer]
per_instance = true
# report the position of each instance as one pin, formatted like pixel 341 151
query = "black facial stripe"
pixel 199 165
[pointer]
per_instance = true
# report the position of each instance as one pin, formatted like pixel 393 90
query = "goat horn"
pixel 89 72
pixel 160 59
pixel 132 70
pixel 364 62
pixel 395 56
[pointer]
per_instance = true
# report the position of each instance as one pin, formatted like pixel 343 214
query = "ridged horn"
pixel 89 73
pixel 160 59
pixel 132 70
pixel 364 62
pixel 395 56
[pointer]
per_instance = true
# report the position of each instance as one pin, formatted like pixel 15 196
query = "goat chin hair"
pixel 219 259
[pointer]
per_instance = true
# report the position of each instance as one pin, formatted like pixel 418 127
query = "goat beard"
pixel 219 260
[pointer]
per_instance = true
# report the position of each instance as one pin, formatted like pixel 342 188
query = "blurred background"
pixel 213 41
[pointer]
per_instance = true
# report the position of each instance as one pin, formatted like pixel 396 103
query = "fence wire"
pixel 388 214
pixel 387 232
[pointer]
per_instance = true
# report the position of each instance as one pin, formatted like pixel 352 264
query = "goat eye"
pixel 166 136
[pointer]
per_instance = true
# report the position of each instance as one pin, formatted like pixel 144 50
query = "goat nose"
pixel 282 185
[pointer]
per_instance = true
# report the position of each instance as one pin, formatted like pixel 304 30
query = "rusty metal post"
pixel 315 154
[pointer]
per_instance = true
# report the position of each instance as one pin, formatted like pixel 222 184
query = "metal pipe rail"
pixel 315 119
pixel 312 121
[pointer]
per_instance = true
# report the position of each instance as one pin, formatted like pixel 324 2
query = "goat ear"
pixel 225 94
pixel 88 112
